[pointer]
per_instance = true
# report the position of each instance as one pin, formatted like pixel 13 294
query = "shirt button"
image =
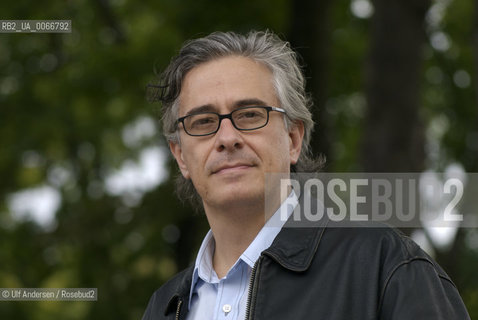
pixel 226 308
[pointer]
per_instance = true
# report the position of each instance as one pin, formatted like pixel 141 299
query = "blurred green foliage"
pixel 65 100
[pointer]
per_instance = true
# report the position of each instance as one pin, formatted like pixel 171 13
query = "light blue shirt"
pixel 226 298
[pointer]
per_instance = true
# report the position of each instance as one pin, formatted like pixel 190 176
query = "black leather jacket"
pixel 334 272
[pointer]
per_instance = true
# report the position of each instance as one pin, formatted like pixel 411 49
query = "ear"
pixel 296 135
pixel 178 155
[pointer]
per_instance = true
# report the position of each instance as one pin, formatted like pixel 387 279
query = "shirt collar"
pixel 203 269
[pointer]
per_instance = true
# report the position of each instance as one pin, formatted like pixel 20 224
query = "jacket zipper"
pixel 178 309
pixel 252 290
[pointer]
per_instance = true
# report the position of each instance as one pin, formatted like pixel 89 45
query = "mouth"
pixel 232 168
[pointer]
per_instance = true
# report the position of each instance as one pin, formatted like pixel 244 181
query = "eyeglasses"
pixel 244 119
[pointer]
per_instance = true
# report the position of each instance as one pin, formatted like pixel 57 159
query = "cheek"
pixel 195 157
pixel 279 157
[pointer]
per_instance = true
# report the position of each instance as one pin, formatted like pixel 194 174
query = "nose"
pixel 228 137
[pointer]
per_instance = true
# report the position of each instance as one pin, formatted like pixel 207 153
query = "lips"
pixel 231 168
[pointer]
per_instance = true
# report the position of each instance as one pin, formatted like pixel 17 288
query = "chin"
pixel 231 195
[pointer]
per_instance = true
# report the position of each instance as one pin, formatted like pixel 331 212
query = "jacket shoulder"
pixel 387 246
pixel 377 235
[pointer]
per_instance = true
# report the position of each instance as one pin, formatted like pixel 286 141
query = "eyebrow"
pixel 238 104
pixel 249 102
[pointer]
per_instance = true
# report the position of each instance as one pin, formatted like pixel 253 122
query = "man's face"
pixel 229 167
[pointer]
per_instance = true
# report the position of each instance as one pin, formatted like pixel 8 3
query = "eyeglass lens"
pixel 243 119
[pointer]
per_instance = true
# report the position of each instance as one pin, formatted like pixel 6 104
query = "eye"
pixel 249 114
pixel 202 120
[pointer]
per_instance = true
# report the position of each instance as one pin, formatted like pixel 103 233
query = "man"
pixel 235 113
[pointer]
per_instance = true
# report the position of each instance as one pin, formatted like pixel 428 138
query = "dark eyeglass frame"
pixel 228 116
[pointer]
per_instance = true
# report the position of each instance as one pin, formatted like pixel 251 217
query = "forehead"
pixel 221 83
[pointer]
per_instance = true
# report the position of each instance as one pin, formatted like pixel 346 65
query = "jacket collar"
pixel 295 247
pixel 296 244
pixel 181 292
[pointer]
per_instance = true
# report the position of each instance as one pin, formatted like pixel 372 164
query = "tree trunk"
pixel 393 139
pixel 475 48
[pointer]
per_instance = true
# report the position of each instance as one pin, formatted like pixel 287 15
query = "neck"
pixel 234 228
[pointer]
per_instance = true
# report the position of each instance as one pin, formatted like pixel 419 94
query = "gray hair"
pixel 263 47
